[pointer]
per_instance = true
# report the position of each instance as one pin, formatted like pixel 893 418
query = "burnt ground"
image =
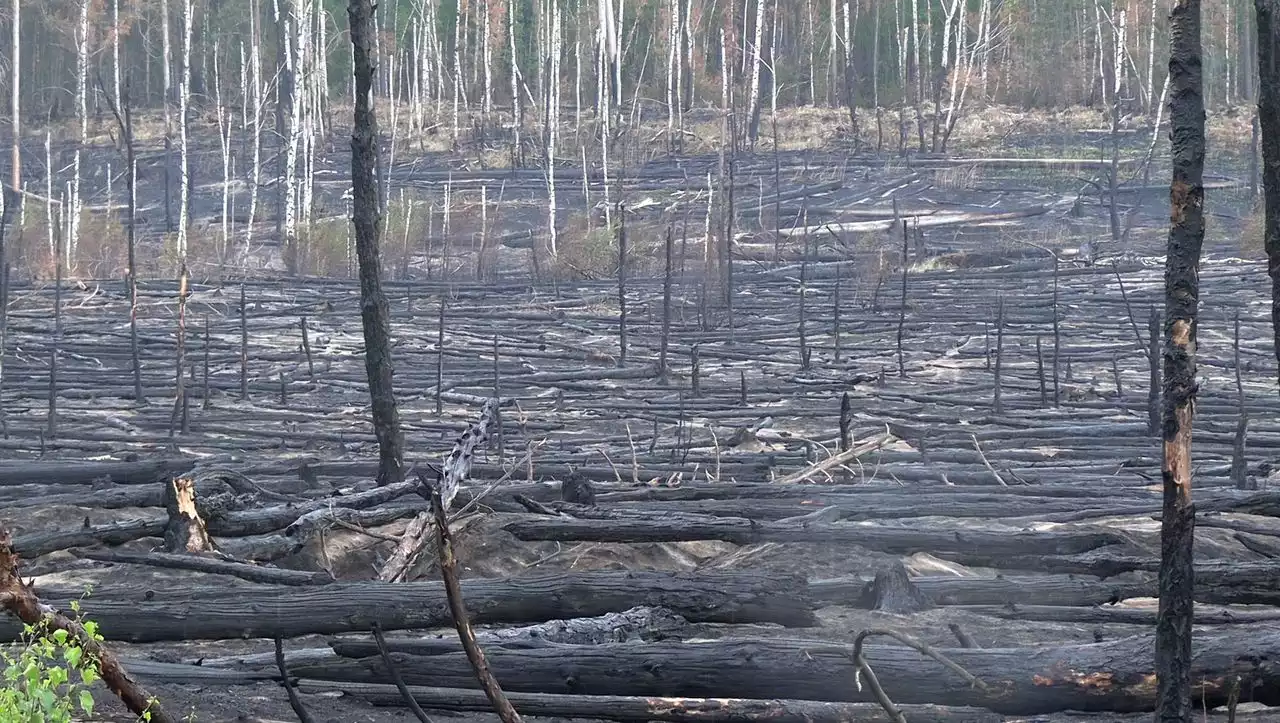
pixel 982 297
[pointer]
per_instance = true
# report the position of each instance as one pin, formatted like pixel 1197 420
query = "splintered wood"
pixel 186 529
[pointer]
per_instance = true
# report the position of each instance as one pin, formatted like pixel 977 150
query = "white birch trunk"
pixel 1151 58
pixel 832 95
pixel 15 97
pixel 553 124
pixel 673 71
pixel 184 112
pixel 457 76
pixel 517 118
pixel 488 65
pixel 757 62
pixel 296 54
pixel 48 194
pixel 257 101
pixel 82 110
pixel 224 140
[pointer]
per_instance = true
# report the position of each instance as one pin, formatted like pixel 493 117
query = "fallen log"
pixel 42 543
pixel 1112 676
pixel 645 708
pixel 267 612
pixel 635 625
pixel 106 497
pixel 1101 615
pixel 278 517
pixel 198 563
pixel 678 528
pixel 850 508
pixel 951 590
pixel 642 624
pixel 1223 582
pixel 936 220
pixel 125 473
pixel 878 492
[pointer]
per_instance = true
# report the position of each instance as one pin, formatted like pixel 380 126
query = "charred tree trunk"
pixel 1182 292
pixel 287 611
pixel 642 709
pixel 367 218
pixel 1268 120
pixel 1109 676
pixel 602 525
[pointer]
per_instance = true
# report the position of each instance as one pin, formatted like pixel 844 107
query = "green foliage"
pixel 47 675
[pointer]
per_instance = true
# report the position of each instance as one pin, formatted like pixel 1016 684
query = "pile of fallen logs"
pixel 872 415
pixel 635 645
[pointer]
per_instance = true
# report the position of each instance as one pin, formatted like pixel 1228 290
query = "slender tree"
pixel 1182 297
pixel 367 219
pixel 15 95
pixel 1268 119
pixel 167 65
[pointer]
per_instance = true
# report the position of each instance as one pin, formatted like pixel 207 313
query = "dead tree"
pixel 456 468
pixel 367 219
pixel 1268 14
pixel 122 110
pixel 1182 296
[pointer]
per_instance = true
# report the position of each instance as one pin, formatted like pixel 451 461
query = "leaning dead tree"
pixel 457 467
pixel 1182 298
pixel 367 219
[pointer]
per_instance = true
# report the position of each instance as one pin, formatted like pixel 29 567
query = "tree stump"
pixel 894 592
pixel 186 530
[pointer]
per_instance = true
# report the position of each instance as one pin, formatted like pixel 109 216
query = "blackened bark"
pixel 367 219
pixel 1110 676
pixel 1269 121
pixel 1182 296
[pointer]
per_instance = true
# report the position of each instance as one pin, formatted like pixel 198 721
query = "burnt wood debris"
pixel 516 363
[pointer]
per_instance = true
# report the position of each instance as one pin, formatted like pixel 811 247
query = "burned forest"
pixel 698 361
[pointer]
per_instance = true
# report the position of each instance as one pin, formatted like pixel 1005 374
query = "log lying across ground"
pixel 677 528
pixel 647 708
pixel 41 543
pixel 44 472
pixel 1218 582
pixel 267 612
pixel 1224 582
pixel 1114 676
pixel 951 590
pixel 1099 615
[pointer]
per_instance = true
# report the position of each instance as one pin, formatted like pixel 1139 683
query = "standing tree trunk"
pixel 516 117
pixel 919 71
pixel 167 64
pixel 1151 61
pixel 367 220
pixel 1268 120
pixel 1182 297
pixel 82 112
pixel 255 94
pixel 553 125
pixel 757 63
pixel 184 113
pixel 15 178
pixel 13 198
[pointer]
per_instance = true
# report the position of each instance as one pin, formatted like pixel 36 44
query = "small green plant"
pixel 47 675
